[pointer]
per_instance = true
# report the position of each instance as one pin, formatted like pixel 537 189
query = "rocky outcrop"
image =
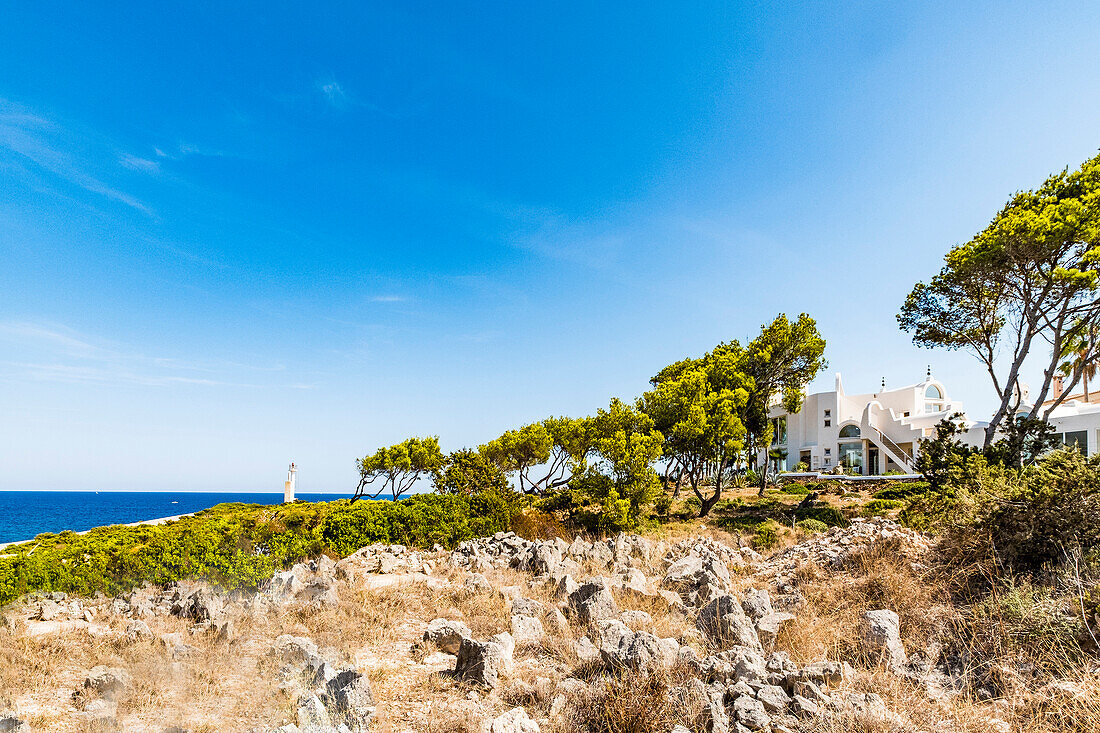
pixel 592 602
pixel 12 723
pixel 882 639
pixel 620 648
pixel 515 720
pixel 724 623
pixel 446 634
pixel 484 662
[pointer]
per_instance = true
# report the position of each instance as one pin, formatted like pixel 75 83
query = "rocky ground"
pixel 503 635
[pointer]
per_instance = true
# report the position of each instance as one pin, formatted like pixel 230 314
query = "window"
pixel 905 414
pixel 779 431
pixel 828 451
pixel 933 393
pixel 827 422
pixel 1079 438
pixel 850 455
pixel 849 431
pixel 826 461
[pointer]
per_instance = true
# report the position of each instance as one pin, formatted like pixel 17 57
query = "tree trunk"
pixel 708 503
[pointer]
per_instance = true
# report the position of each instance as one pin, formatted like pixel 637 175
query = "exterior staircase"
pixel 869 428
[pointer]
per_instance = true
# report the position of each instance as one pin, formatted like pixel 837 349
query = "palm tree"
pixel 1080 355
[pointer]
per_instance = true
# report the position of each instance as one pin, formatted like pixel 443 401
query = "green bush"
pixel 901 490
pixel 795 489
pixel 811 525
pixel 1052 508
pixel 879 507
pixel 468 472
pixel 239 545
pixel 766 535
pixel 830 516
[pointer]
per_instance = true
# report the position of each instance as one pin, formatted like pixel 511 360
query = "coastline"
pixel 160 520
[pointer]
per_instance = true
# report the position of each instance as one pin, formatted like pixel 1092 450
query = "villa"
pixel 1077 419
pixel 875 433
pixel 869 434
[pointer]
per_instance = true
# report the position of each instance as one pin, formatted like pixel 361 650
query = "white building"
pixel 1077 419
pixel 868 433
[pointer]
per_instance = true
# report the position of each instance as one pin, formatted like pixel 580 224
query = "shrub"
pixel 795 489
pixel 1052 509
pixel 766 535
pixel 827 515
pixel 240 545
pixel 879 507
pixel 467 472
pixel 811 525
pixel 901 490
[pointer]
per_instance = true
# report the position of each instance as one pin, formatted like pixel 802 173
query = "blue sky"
pixel 233 238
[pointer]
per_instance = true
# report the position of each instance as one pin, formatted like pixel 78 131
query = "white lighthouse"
pixel 291 484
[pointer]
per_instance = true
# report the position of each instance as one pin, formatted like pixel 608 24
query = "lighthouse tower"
pixel 291 484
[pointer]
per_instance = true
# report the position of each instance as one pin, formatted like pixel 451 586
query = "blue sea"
pixel 25 514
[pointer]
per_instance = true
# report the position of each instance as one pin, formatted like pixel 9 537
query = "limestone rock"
pixel 882 638
pixel 349 701
pixel 527 607
pixel 12 723
pixel 593 602
pixel 137 630
pixel 107 682
pixel 527 630
pixel 446 634
pixel 294 649
pixel 724 623
pixel 757 603
pixel 767 626
pixel 751 713
pixel 773 698
pixel 482 662
pixel 515 720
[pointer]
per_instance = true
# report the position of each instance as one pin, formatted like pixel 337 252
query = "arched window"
pixel 933 393
pixel 849 431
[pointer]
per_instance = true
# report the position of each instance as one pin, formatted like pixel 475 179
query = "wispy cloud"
pixel 46 147
pixel 135 163
pixel 55 353
pixel 333 93
pixel 388 299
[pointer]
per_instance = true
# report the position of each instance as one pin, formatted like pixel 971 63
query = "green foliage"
pixel 611 490
pixel 801 467
pixel 399 466
pixel 766 535
pixel 880 507
pixel 795 489
pixel 1029 277
pixel 942 455
pixel 467 472
pixel 1031 617
pixel 518 451
pixel 827 515
pixel 697 411
pixel 1053 508
pixel 714 410
pixel 901 490
pixel 240 545
pixel 1025 439
pixel 811 525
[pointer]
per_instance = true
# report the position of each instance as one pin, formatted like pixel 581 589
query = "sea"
pixel 26 514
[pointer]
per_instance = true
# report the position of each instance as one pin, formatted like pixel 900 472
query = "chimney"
pixel 1057 386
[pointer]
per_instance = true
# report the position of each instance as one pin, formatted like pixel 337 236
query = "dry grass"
pixel 630 703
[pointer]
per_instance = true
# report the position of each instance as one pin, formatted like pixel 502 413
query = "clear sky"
pixel 230 239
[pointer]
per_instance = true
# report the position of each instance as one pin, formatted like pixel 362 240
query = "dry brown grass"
pixel 630 703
